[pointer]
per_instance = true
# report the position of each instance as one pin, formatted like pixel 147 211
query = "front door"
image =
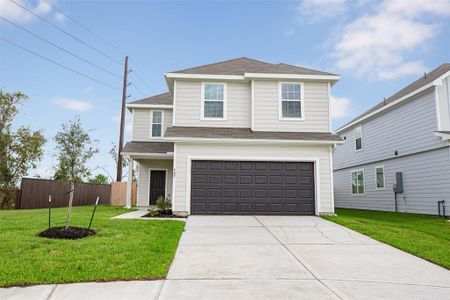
pixel 157 185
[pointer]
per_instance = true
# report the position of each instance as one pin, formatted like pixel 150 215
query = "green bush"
pixel 163 203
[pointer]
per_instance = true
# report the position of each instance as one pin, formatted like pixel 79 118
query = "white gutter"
pixel 250 141
pixel 149 155
pixel 161 106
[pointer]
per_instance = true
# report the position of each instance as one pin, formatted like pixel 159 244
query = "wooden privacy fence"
pixel 119 193
pixel 35 193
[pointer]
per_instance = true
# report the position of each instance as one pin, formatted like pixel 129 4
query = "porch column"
pixel 129 183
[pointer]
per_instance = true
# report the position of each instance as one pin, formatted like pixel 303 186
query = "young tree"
pixel 75 148
pixel 99 179
pixel 20 150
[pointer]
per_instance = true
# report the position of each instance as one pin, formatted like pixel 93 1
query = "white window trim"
pixel 202 108
pixel 151 124
pixel 351 182
pixel 354 138
pixel 280 101
pixel 384 178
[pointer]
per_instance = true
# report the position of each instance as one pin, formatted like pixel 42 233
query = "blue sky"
pixel 376 47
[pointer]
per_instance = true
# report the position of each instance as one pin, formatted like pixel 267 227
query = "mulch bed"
pixel 71 233
pixel 168 214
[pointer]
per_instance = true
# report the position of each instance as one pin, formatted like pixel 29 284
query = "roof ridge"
pixel 221 62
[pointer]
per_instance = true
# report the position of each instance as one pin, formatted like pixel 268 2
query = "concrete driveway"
pixel 276 257
pixel 270 257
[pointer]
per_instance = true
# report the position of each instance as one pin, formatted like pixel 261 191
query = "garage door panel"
pixel 245 187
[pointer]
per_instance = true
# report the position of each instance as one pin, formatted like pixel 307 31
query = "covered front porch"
pixel 154 175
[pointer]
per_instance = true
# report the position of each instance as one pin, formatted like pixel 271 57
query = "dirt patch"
pixel 71 233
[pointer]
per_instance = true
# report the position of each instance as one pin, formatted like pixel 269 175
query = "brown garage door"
pixel 252 188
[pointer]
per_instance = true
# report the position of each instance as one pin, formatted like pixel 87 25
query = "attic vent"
pixel 425 75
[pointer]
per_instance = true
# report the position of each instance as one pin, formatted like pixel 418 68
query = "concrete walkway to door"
pixel 277 257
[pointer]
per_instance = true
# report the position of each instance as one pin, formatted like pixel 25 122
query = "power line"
pixel 61 65
pixel 138 89
pixel 143 81
pixel 103 39
pixel 67 33
pixel 60 48
pixel 86 28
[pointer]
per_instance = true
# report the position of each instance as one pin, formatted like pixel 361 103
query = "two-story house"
pixel 403 141
pixel 237 137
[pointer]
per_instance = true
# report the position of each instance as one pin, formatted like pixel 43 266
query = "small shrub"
pixel 163 203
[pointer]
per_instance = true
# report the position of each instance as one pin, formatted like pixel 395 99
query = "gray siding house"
pixel 407 133
pixel 236 137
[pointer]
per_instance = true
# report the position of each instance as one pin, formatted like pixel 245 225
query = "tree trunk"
pixel 69 212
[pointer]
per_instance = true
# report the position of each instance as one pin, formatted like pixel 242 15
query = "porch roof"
pixel 148 148
pixel 247 134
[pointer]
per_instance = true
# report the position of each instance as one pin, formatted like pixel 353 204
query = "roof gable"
pixel 242 65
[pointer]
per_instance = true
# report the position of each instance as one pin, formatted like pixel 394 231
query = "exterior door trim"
pixel 149 181
pixel 314 160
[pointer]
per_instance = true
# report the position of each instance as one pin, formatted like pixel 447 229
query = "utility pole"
pixel 122 121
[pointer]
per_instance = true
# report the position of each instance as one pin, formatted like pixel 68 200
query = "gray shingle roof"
pixel 422 81
pixel 246 133
pixel 239 66
pixel 165 98
pixel 148 147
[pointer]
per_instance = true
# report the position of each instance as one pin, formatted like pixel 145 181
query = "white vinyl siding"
pixel 267 108
pixel 426 180
pixel 240 152
pixel 142 123
pixel 189 105
pixel 144 181
pixel 408 128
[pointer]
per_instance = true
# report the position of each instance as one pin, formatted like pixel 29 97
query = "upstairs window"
pixel 157 121
pixel 358 138
pixel 213 98
pixel 379 177
pixel 291 101
pixel 358 182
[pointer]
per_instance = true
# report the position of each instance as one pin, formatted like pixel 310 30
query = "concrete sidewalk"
pixel 246 257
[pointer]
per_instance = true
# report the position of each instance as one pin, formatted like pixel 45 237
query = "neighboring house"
pixel 237 137
pixel 407 133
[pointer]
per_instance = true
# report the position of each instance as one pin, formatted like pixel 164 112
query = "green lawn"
pixel 425 236
pixel 122 249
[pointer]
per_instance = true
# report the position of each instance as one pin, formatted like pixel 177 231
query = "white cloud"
pixel 319 10
pixel 376 44
pixel 72 104
pixel 340 107
pixel 15 13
